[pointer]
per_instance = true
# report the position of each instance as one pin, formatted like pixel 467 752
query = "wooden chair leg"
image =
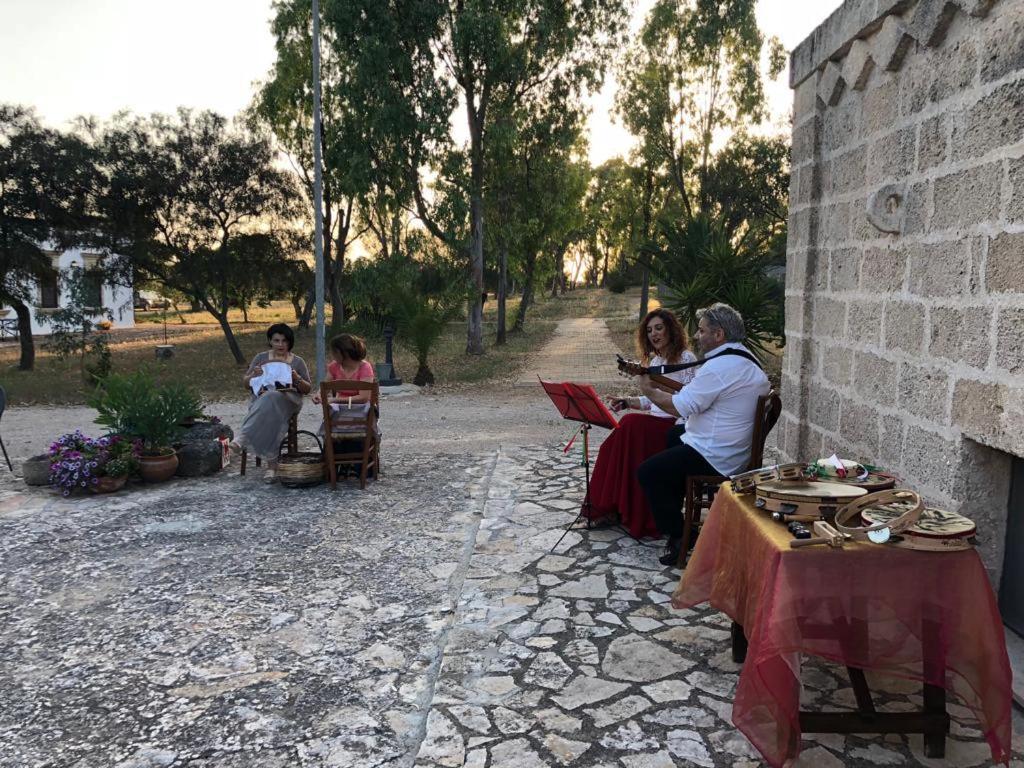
pixel 688 503
pixel 364 468
pixel 332 468
pixel 245 456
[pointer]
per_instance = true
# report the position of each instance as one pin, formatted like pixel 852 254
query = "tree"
pixel 44 190
pixel 416 61
pixel 183 201
pixel 694 73
pixel 284 104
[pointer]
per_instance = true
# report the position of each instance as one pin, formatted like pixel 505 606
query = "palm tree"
pixel 701 264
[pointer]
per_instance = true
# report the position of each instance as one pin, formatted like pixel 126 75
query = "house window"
pixel 49 289
pixel 93 288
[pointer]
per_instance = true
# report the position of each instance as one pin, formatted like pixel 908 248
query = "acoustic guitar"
pixel 633 368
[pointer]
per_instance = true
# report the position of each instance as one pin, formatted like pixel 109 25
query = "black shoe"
pixel 671 556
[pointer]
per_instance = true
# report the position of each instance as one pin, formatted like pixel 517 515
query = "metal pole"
pixel 318 231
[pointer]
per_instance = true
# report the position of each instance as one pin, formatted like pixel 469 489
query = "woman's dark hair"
pixel 349 346
pixel 678 341
pixel 285 331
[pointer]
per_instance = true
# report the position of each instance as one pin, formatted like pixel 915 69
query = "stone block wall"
pixel 905 274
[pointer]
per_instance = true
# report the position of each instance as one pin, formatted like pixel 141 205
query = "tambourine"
pixel 936 530
pixel 816 500
pixel 875 481
pixel 907 513
pixel 746 482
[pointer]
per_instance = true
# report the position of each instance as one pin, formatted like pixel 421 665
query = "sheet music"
pixel 274 374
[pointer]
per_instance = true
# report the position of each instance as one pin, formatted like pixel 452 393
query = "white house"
pixel 47 294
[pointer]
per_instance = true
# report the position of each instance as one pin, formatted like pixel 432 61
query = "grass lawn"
pixel 202 358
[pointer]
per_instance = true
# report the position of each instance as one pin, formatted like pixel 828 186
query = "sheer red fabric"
pixel 928 616
pixel 614 489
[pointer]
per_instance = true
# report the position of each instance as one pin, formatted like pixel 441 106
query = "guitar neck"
pixel 663 381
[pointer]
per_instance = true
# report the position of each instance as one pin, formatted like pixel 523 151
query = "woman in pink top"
pixel 350 363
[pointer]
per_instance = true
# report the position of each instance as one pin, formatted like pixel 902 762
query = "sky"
pixel 96 57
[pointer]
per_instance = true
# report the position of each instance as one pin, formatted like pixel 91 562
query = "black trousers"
pixel 674 435
pixel 663 478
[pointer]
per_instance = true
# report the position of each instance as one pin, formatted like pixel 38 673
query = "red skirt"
pixel 614 489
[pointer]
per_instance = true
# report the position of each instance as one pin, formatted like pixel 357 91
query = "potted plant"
pixel 101 465
pixel 135 406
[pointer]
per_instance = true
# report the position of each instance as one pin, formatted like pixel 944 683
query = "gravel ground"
pixel 470 422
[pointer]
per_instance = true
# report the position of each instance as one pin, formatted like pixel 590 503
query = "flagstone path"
pixel 222 623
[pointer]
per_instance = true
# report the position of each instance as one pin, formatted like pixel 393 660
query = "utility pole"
pixel 318 228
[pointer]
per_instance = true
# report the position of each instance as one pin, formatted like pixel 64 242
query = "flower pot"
pixel 108 484
pixel 36 471
pixel 156 469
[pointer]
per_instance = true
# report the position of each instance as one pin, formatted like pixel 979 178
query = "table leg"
pixel 739 643
pixel 938 721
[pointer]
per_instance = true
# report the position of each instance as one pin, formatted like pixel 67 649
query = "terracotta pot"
pixel 108 484
pixel 156 469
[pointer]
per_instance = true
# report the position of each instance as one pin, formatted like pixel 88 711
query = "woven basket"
pixel 301 470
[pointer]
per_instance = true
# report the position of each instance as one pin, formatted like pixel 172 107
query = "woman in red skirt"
pixel 614 490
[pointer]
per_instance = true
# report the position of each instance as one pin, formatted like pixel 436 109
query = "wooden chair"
pixel 348 429
pixel 701 489
pixel 290 444
pixel 3 406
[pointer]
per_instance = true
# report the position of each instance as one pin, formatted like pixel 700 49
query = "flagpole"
pixel 318 227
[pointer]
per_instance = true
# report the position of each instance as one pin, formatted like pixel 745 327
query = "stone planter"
pixel 109 484
pixel 157 469
pixel 36 471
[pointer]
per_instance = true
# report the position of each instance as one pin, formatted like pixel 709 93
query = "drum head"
pixel 933 523
pixel 875 481
pixel 810 491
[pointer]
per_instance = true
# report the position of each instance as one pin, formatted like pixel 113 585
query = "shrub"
pixel 133 405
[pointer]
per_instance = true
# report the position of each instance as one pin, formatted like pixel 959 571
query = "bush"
pixel 616 282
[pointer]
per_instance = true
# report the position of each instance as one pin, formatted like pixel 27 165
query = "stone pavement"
pixel 581 350
pixel 576 658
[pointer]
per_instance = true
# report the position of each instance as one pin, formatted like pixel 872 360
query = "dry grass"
pixel 202 358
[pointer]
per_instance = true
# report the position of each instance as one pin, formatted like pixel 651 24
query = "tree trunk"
pixel 475 324
pixel 297 308
pixel 337 305
pixel 645 289
pixel 502 289
pixel 28 348
pixel 222 318
pixel 195 305
pixel 307 311
pixel 245 312
pixel 527 294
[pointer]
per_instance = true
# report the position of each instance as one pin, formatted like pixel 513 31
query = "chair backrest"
pixel 359 417
pixel 769 408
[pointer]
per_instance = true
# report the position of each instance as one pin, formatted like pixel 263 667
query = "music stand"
pixel 579 402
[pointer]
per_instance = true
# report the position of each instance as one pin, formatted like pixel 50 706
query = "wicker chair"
pixel 351 438
pixel 701 489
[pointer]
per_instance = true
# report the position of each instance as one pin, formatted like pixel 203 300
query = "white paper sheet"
pixel 273 374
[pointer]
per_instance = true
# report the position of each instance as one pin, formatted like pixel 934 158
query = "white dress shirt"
pixel 684 377
pixel 719 407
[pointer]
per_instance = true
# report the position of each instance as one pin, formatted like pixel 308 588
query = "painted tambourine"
pixel 746 482
pixel 875 481
pixel 905 507
pixel 936 530
pixel 806 499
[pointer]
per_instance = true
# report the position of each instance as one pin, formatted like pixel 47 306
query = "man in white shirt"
pixel 718 406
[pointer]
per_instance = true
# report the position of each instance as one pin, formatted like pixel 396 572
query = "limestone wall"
pixel 905 276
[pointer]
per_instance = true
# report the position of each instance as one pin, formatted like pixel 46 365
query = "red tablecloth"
pixel 929 616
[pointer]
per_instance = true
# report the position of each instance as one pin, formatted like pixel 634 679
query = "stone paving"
pixel 575 657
